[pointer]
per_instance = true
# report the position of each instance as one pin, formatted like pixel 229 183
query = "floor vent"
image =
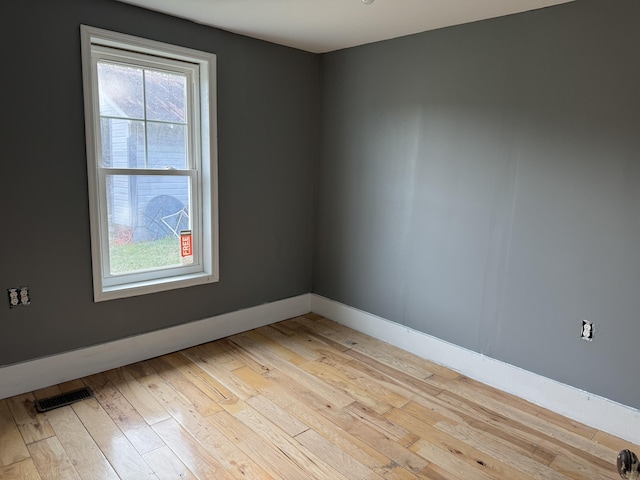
pixel 63 399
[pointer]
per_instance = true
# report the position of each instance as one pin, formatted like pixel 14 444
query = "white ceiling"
pixel 325 25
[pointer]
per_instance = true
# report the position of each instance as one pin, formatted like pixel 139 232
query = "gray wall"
pixel 481 183
pixel 267 115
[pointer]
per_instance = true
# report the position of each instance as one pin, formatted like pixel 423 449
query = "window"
pixel 151 162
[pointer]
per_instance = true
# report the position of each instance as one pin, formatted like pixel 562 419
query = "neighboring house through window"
pixel 151 161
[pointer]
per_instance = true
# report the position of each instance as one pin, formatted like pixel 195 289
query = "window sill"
pixel 152 286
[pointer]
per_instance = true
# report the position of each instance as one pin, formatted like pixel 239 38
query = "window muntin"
pixel 150 116
pixel 152 103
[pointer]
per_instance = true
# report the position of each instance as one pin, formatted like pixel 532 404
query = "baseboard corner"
pixel 587 408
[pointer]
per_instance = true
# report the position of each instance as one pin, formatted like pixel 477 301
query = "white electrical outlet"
pixel 14 301
pixel 24 296
pixel 587 330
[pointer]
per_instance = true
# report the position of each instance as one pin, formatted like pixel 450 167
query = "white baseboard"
pixel 43 372
pixel 584 407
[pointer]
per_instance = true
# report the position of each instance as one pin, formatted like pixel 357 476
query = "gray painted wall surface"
pixel 481 184
pixel 267 114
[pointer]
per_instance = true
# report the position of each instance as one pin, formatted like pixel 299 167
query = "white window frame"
pixel 202 149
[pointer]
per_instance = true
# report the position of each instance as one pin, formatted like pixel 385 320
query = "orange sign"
pixel 186 249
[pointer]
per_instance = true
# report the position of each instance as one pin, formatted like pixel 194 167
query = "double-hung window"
pixel 151 162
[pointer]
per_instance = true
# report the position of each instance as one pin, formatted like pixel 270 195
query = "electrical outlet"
pixel 587 330
pixel 18 296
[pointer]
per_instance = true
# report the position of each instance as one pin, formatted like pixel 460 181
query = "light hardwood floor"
pixel 301 399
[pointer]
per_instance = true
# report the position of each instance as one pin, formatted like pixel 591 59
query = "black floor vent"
pixel 63 399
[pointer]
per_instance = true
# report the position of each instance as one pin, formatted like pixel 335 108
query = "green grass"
pixel 145 255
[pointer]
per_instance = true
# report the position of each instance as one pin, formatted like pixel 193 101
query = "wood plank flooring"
pixel 301 399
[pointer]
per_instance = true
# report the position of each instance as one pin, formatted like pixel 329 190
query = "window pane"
pixel 166 96
pixel 145 214
pixel 122 143
pixel 120 90
pixel 166 144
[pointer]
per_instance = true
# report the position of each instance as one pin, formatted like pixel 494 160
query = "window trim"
pixel 206 147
